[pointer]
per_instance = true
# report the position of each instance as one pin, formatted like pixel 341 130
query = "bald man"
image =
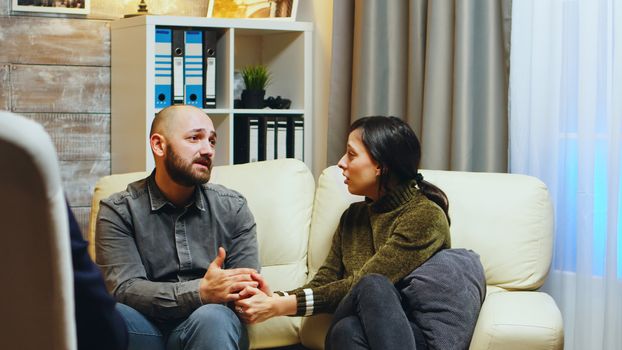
pixel 176 250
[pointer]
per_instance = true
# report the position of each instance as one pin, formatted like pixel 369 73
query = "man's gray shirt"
pixel 154 254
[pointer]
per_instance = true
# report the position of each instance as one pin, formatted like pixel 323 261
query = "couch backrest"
pixel 506 218
pixel 280 196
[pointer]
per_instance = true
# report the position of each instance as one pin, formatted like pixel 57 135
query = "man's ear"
pixel 158 144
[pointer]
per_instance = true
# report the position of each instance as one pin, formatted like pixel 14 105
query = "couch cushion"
pixel 331 200
pixel 519 320
pixel 506 218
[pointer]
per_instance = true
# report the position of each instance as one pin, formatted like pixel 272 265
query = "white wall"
pixel 320 12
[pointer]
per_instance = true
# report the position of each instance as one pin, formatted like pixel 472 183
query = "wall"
pixel 320 12
pixel 55 69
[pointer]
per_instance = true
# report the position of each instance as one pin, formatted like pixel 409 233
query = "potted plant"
pixel 256 78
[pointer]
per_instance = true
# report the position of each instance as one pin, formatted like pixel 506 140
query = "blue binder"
pixel 163 67
pixel 193 68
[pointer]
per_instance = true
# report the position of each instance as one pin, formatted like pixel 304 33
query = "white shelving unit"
pixel 284 46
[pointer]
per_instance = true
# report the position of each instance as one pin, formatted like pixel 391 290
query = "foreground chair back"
pixel 36 297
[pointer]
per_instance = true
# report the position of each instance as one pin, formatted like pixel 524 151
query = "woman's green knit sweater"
pixel 391 237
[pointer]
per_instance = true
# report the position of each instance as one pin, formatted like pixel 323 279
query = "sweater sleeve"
pixel 331 272
pixel 415 239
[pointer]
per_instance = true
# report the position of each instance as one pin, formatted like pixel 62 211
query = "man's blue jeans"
pixel 211 326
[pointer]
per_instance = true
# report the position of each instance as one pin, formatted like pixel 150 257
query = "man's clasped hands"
pixel 244 287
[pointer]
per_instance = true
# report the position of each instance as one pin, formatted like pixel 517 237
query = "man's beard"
pixel 183 173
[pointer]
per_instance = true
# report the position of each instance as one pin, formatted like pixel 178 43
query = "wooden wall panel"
pixel 77 136
pixel 79 179
pixel 62 41
pixel 5 87
pixel 5 5
pixel 69 89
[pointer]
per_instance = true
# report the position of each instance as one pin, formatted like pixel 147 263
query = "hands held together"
pixel 220 286
pixel 257 304
pixel 254 301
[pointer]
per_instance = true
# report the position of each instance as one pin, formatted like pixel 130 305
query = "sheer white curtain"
pixel 565 128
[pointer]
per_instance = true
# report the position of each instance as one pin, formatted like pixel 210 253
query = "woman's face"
pixel 359 168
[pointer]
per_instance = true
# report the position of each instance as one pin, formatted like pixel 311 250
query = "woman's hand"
pixel 255 305
pixel 262 284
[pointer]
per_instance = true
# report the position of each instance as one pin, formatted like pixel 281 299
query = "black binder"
pixel 265 144
pixel 210 39
pixel 241 138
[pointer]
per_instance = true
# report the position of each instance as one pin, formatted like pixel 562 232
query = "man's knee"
pixel 136 322
pixel 142 333
pixel 125 310
pixel 211 314
pixel 212 326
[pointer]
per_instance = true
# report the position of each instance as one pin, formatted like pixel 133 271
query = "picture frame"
pixel 79 7
pixel 253 9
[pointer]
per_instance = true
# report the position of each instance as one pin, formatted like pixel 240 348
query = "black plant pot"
pixel 253 98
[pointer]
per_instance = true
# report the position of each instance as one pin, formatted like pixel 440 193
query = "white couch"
pixel 507 219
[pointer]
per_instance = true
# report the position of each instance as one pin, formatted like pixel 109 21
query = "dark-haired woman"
pixel 401 224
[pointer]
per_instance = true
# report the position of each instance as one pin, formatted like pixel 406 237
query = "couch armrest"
pixel 518 320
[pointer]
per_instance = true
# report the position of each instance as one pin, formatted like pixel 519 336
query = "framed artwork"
pixel 81 7
pixel 262 9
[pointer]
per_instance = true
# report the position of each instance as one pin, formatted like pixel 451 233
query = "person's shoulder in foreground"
pixel 98 324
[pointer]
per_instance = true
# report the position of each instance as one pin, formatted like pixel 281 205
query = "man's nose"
pixel 207 148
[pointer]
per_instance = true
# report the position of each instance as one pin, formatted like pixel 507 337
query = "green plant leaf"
pixel 256 77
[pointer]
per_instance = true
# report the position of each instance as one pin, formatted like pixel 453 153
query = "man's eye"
pixel 213 142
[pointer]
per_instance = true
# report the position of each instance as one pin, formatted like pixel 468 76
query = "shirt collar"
pixel 158 200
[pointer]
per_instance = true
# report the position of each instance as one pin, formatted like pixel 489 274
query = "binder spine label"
pixel 178 64
pixel 210 82
pixel 163 67
pixel 193 68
